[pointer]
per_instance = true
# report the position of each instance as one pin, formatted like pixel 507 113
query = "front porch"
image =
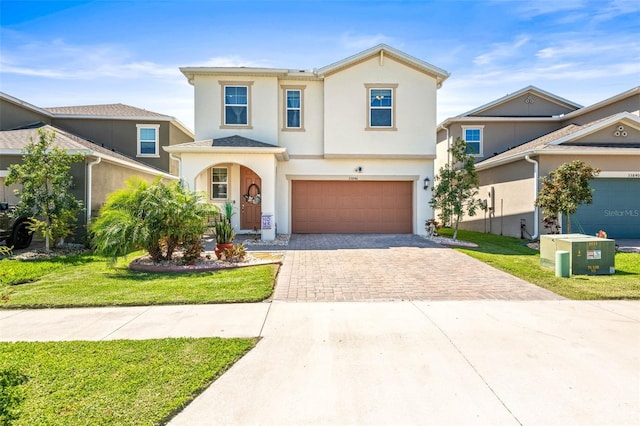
pixel 236 170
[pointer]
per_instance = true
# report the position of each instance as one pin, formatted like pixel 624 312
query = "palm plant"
pixel 156 217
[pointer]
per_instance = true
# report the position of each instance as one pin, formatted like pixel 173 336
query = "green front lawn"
pixel 513 256
pixel 88 280
pixel 110 382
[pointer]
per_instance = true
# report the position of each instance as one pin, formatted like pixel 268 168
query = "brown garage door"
pixel 351 207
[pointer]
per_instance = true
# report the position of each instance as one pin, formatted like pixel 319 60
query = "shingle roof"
pixel 554 141
pixel 17 139
pixel 240 141
pixel 106 110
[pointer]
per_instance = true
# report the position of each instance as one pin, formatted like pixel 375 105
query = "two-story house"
pixel 119 141
pixel 346 148
pixel 523 136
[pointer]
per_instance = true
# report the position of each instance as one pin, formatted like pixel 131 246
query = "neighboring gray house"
pixel 526 135
pixel 134 132
pixel 119 141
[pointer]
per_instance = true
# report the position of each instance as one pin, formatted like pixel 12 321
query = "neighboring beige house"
pixel 110 140
pixel 341 149
pixel 528 134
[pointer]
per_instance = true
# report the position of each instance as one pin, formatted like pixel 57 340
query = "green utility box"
pixel 549 246
pixel 588 255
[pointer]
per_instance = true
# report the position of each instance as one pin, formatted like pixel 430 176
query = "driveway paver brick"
pixel 390 268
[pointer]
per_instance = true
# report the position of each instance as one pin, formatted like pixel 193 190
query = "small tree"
pixel 456 186
pixel 564 190
pixel 45 176
pixel 156 217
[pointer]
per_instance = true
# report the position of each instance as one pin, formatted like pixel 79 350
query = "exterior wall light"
pixel 426 183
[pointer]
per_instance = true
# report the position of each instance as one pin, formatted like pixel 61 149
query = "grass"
pixel 513 256
pixel 121 382
pixel 88 280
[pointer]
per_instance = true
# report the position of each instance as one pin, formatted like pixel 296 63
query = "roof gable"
pixel 604 136
pixel 381 51
pixel 527 102
pixel 622 129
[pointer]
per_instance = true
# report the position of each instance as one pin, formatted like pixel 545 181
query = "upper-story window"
pixel 236 104
pixel 293 107
pixel 148 140
pixel 381 106
pixel 473 137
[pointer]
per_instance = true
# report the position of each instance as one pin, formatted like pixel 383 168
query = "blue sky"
pixel 61 53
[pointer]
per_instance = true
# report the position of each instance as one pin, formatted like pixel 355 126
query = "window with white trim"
pixel 219 183
pixel 148 140
pixel 381 108
pixel 294 108
pixel 473 137
pixel 236 99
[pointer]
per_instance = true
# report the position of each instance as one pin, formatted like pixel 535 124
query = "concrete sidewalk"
pixel 445 363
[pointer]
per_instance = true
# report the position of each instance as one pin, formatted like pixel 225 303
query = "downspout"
pixel 89 179
pixel 446 129
pixel 536 219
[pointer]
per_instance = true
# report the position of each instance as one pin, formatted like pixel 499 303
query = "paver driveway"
pixel 391 267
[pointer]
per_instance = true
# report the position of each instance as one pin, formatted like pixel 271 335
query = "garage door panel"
pixel 615 208
pixel 352 207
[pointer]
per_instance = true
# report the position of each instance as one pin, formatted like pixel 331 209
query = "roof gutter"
pixel 484 165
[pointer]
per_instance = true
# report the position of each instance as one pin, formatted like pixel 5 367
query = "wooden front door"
pixel 250 199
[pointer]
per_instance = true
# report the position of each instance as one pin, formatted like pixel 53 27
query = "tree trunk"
pixel 568 223
pixel 455 232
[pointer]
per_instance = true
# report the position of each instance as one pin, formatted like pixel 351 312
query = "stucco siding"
pixel 107 178
pixel 343 169
pixel 607 136
pixel 310 140
pixel 608 163
pixel 121 135
pixel 512 187
pixel 501 136
pixel 630 104
pixel 346 111
pixel 176 136
pixel 13 116
pixel 263 108
pixel 526 105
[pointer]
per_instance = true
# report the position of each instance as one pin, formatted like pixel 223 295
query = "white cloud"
pixel 501 51
pixel 590 48
pixel 60 60
pixel 544 7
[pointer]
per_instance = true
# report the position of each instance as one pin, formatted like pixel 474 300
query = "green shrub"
pixel 155 217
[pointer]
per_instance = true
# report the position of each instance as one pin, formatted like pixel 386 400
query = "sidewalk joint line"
pixel 468 362
pixel 265 318
pixel 127 323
